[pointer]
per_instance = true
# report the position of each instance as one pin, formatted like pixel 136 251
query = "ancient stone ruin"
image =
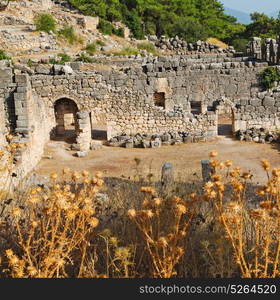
pixel 138 101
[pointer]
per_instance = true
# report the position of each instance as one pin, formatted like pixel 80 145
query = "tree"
pixel 262 26
pixel 190 19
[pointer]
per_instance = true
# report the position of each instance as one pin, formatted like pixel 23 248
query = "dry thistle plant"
pixel 164 225
pixel 118 259
pixel 7 163
pixel 254 234
pixel 57 228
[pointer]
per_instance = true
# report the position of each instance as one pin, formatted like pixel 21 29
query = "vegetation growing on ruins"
pixel 68 33
pixel 63 58
pixel 106 27
pixel 269 76
pixel 85 58
pixel 149 47
pixel 100 43
pixel 91 48
pixel 3 55
pixel 126 51
pixel 45 22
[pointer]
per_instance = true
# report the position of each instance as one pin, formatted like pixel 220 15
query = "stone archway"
pixel 225 111
pixel 72 124
pixel 67 127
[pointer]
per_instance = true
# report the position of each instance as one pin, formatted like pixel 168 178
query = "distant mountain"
pixel 241 17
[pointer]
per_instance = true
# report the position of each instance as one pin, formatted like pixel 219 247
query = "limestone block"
pixel 6 75
pixel 81 154
pixel 20 96
pixel 43 69
pixel 188 139
pixel 206 170
pixel 256 102
pixel 156 143
pixel 22 78
pixel 167 175
pixel 67 70
pixel 88 23
pixel 268 101
pixel 240 125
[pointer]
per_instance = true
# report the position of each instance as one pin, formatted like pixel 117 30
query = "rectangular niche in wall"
pixel 159 99
pixel 196 107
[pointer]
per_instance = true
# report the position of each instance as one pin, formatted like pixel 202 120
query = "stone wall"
pixel 181 46
pixel 262 111
pixel 88 23
pixel 24 42
pixel 127 97
pixel 267 50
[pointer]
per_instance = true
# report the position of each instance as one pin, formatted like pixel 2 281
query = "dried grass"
pixel 89 226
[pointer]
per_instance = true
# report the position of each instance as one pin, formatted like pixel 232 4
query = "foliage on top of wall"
pixel 85 58
pixel 269 76
pixel 149 47
pixel 63 58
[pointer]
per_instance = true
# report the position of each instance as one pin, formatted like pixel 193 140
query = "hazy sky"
pixel 266 6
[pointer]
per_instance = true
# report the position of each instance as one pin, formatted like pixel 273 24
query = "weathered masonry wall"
pixel 267 50
pixel 151 97
pixel 126 98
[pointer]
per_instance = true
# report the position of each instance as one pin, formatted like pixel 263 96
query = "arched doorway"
pixel 67 128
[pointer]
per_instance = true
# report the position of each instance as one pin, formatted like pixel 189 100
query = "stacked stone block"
pixel 84 136
pixel 268 50
pixel 22 104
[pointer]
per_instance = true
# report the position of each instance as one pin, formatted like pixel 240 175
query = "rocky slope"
pixel 20 40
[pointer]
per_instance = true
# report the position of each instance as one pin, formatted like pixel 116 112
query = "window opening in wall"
pixel 196 107
pixel 159 99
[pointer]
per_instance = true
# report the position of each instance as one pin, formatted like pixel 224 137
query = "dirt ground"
pixel 186 158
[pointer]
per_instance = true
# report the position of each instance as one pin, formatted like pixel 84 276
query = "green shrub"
pixel 126 51
pixel 100 43
pixel 91 48
pixel 240 44
pixel 105 27
pixel 29 63
pixel 68 32
pixel 45 22
pixel 64 57
pixel 118 32
pixel 4 56
pixel 149 47
pixel 269 76
pixel 85 58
